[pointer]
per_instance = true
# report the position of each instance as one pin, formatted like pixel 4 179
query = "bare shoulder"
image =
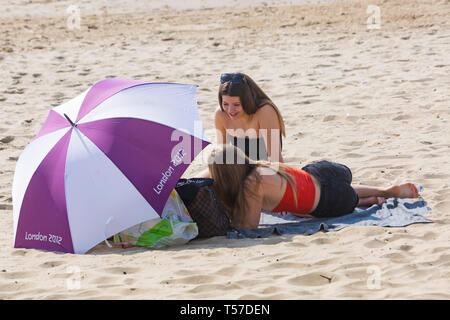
pixel 220 123
pixel 219 114
pixel 220 118
pixel 266 111
pixel 267 117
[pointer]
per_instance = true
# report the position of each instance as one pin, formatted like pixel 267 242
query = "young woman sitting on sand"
pixel 321 189
pixel 248 118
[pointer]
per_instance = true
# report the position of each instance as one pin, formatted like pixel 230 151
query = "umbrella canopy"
pixel 103 162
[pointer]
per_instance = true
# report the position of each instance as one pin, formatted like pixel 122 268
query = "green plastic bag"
pixel 175 227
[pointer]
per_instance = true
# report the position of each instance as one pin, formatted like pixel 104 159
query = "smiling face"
pixel 232 106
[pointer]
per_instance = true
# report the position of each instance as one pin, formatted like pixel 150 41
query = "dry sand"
pixel 376 100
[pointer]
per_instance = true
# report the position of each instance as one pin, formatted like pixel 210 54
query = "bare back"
pixel 268 194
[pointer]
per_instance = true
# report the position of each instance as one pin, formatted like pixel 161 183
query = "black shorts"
pixel 337 197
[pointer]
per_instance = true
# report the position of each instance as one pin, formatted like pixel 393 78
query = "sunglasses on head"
pixel 235 78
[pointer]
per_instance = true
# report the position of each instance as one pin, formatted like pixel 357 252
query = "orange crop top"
pixel 305 191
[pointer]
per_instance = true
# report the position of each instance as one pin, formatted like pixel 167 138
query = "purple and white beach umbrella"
pixel 103 162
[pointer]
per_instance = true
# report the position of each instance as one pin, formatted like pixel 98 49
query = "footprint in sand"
pixel 20 252
pixel 14 90
pixel 272 290
pixel 298 135
pixel 7 139
pixel 324 65
pixel 58 95
pixel 121 270
pixel 329 118
pixel 355 143
pixel 375 243
pixel 442 206
pixel 18 275
pixel 284 265
pixel 296 244
pixel 396 257
pixel 51 264
pixel 402 117
pixel 185 272
pixel 405 247
pixel 436 176
pixel 321 241
pixel 213 287
pixel 429 236
pixel 6 207
pixel 203 279
pixel 230 271
pixel 357 271
pixel 353 155
pixel 440 249
pixel 279 296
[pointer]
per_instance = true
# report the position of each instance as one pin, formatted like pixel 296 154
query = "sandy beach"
pixel 374 96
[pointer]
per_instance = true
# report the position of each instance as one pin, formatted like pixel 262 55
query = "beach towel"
pixel 393 212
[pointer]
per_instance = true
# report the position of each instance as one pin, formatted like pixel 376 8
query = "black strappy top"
pixel 254 148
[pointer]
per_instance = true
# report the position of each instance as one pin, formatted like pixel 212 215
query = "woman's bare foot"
pixel 406 190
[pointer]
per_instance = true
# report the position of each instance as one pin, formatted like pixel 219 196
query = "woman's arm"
pixel 254 202
pixel 219 123
pixel 268 121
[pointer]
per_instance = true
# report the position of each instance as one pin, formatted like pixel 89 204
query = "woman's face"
pixel 232 106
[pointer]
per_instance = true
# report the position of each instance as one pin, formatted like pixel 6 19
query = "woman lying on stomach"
pixel 321 189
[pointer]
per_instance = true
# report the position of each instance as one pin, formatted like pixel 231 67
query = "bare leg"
pixel 368 201
pixel 370 195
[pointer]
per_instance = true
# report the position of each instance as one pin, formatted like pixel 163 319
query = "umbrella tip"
pixel 70 121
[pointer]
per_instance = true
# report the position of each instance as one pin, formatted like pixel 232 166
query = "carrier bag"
pixel 175 227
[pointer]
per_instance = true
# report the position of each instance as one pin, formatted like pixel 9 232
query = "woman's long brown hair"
pixel 251 95
pixel 230 168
